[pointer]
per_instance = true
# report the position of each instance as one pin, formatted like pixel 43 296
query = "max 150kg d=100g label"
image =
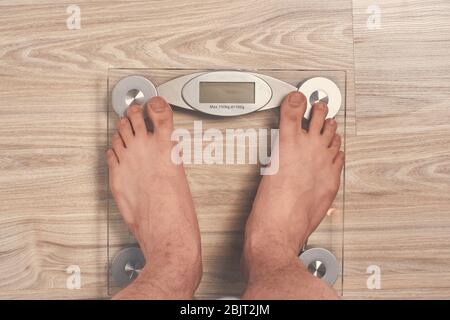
pixel 228 309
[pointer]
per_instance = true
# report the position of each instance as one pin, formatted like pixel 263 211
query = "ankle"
pixel 181 280
pixel 179 270
pixel 261 256
pixel 268 242
pixel 270 268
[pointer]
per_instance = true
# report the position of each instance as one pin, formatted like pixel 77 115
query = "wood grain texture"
pixel 194 34
pixel 397 216
pixel 42 130
pixel 53 206
pixel 403 78
pixel 397 179
pixel 53 69
pixel 53 102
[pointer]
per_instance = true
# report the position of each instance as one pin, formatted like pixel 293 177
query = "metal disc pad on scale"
pixel 126 266
pixel 131 90
pixel 324 90
pixel 321 263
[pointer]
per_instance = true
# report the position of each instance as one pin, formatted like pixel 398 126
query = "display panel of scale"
pixel 227 92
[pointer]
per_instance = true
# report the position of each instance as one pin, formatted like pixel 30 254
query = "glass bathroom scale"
pixel 223 192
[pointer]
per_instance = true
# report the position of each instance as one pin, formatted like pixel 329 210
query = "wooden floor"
pixel 398 166
pixel 53 127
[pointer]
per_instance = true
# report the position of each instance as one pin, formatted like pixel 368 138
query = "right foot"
pixel 290 204
pixel 152 194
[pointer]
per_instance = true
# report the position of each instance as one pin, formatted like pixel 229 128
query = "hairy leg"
pixel 153 196
pixel 290 204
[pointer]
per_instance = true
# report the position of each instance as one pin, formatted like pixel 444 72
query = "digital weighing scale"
pixel 225 93
pixel 204 94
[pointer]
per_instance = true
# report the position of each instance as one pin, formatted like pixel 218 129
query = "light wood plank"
pixel 53 213
pixel 403 68
pixel 43 130
pixel 397 199
pixel 397 216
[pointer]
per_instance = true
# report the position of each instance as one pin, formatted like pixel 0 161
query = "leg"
pixel 152 194
pixel 290 205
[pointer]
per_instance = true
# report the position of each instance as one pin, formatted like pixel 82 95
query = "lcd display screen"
pixel 227 92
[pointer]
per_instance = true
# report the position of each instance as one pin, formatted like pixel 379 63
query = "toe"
pixel 160 112
pixel 339 161
pixel 125 130
pixel 335 145
pixel 319 114
pixel 291 114
pixel 112 159
pixel 117 145
pixel 337 166
pixel 136 116
pixel 329 130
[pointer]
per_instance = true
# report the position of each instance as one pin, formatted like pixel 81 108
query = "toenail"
pixel 134 108
pixel 123 121
pixel 296 99
pixel 320 106
pixel 332 122
pixel 157 104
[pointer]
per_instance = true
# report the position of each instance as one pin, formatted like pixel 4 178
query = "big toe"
pixel 291 114
pixel 160 113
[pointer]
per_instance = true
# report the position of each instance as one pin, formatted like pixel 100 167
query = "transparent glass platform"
pixel 223 193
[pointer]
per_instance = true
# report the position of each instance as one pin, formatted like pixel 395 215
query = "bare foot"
pixel 290 204
pixel 153 196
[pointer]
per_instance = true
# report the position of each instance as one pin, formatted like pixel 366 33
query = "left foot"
pixel 152 194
